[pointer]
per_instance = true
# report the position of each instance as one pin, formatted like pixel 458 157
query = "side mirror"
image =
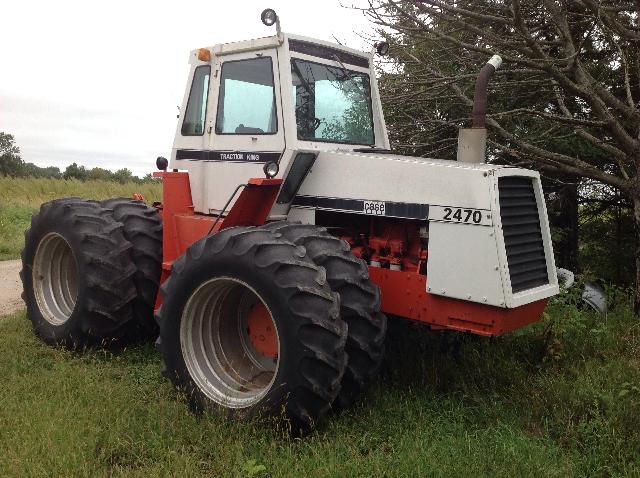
pixel 382 47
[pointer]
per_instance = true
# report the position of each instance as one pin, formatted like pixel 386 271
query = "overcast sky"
pixel 98 83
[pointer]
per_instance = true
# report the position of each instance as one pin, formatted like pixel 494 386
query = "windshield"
pixel 332 104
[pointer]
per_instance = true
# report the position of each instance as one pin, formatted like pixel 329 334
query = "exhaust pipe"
pixel 472 142
pixel 479 112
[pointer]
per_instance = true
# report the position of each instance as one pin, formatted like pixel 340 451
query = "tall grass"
pixel 21 197
pixel 560 398
pixel 31 192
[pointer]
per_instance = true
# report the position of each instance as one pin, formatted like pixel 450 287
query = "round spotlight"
pixel 271 169
pixel 382 47
pixel 268 16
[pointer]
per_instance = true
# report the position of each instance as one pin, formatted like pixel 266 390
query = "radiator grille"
pixel 522 233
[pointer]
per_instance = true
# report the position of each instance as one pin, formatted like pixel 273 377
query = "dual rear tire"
pixel 81 272
pixel 142 227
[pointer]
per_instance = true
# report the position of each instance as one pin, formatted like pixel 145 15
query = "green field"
pixel 560 398
pixel 21 197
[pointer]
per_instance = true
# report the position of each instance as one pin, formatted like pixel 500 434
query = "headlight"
pixel 270 169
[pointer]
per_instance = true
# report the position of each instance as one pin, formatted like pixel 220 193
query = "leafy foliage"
pixel 121 176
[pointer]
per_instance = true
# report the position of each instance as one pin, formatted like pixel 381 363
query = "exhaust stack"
pixel 472 142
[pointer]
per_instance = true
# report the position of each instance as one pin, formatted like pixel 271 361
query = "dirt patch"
pixel 10 287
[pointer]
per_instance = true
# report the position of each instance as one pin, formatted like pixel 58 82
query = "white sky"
pixel 98 83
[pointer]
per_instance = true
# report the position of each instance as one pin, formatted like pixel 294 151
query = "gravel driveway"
pixel 10 287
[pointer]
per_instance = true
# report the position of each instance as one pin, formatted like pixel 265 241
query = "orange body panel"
pixel 405 294
pixel 176 195
pixel 254 203
pixel 182 226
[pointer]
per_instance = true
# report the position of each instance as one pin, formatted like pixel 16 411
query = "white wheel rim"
pixel 216 347
pixel 55 279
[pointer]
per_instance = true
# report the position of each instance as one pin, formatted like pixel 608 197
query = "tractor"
pixel 289 233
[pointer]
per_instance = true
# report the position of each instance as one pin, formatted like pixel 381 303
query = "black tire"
pixel 95 293
pixel 143 228
pixel 359 303
pixel 311 358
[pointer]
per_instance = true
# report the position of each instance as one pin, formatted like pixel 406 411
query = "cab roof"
pixel 296 43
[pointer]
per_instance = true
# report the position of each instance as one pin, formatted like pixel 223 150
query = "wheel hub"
pixel 217 329
pixel 262 331
pixel 55 279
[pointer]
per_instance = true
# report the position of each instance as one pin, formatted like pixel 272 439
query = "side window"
pixel 196 112
pixel 247 101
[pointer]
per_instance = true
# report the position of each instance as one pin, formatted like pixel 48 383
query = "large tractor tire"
pixel 143 229
pixel 359 303
pixel 77 274
pixel 248 323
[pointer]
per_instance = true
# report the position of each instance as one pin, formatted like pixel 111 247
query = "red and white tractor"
pixel 288 233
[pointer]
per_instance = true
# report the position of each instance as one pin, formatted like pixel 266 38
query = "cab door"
pixel 245 127
pixel 247 115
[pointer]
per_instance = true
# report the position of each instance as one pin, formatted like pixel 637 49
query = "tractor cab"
pixel 260 101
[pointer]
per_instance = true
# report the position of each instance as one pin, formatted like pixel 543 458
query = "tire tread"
pixel 360 303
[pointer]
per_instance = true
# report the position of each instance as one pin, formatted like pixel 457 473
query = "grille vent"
pixel 522 233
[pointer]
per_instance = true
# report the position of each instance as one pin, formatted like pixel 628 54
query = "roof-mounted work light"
pixel 269 16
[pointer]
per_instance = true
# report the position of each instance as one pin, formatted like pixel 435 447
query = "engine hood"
pixel 400 179
pixel 460 204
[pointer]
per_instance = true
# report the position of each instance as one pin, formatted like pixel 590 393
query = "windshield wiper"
pixel 347 73
pixel 302 79
pixel 375 150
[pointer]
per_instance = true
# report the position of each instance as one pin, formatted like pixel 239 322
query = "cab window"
pixel 196 112
pixel 332 104
pixel 247 100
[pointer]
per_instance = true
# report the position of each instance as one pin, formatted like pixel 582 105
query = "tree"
pixel 150 178
pixel 74 171
pixel 10 162
pixel 566 100
pixel 123 175
pixel 100 174
pixel 31 170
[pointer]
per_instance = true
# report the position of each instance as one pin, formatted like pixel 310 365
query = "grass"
pixel 560 398
pixel 20 198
